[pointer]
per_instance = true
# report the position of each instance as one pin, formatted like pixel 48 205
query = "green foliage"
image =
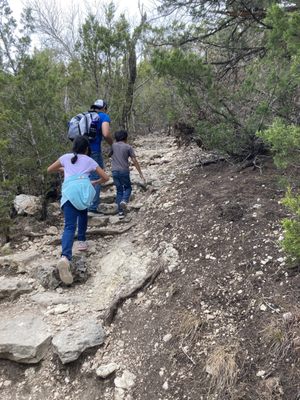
pixel 108 58
pixel 186 67
pixel 291 226
pixel 6 194
pixel 32 121
pixel 284 141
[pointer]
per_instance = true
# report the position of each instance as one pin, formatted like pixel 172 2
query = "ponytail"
pixel 75 158
pixel 81 145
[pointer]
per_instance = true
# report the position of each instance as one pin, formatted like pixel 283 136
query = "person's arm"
pixel 137 166
pixel 55 167
pixel 106 132
pixel 104 177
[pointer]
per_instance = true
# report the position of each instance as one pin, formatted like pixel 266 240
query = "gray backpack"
pixel 85 123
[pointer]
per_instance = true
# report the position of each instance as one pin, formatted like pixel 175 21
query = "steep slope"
pixel 194 296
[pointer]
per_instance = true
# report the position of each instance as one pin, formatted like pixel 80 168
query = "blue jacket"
pixel 79 191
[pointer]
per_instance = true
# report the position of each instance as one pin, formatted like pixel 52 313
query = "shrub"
pixel 284 141
pixel 291 226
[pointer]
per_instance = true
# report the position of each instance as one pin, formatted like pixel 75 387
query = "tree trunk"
pixel 130 85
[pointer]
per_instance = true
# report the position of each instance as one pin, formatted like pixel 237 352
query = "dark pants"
pixel 72 215
pixel 97 156
pixel 123 185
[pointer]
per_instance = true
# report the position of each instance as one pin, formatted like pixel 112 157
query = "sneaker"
pixel 82 246
pixel 123 205
pixel 121 215
pixel 64 270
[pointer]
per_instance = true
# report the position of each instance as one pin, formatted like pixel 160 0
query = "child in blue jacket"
pixel 77 194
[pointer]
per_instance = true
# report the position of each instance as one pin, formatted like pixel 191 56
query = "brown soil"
pixel 224 304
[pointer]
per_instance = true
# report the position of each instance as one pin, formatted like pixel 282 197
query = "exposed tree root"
pixel 147 281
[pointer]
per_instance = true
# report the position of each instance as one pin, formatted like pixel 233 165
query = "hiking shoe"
pixel 123 205
pixel 82 246
pixel 121 215
pixel 64 270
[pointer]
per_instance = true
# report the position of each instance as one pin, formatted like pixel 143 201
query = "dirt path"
pixel 220 320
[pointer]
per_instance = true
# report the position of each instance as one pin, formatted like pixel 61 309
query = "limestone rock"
pixel 26 204
pixel 121 270
pixel 24 338
pixel 47 275
pixel 50 298
pixel 126 381
pixel 108 197
pixel 21 261
pixel 108 209
pixel 105 370
pixel 13 287
pixel 98 221
pixel 75 339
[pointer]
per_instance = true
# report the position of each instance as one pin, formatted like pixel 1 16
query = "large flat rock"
pixel 76 338
pixel 52 298
pixel 22 261
pixel 118 272
pixel 13 287
pixel 24 338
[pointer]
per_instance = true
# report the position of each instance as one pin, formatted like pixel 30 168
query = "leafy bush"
pixel 291 241
pixel 284 141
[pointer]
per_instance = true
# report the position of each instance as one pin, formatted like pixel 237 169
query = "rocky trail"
pixel 189 297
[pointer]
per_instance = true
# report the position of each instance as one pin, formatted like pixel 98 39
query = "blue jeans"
pixel 123 185
pixel 97 156
pixel 71 215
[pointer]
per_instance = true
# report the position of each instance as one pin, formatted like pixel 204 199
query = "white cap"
pixel 99 104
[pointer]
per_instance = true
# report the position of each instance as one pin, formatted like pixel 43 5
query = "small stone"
pixel 126 381
pixel 296 342
pixel 261 373
pixel 167 337
pixel 165 385
pixel 259 273
pixel 60 309
pixel 288 317
pixel 263 307
pixel 105 370
pixel 119 394
pixel 210 317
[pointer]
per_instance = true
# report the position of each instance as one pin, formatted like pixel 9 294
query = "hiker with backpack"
pixel 103 131
pixel 94 124
pixel 77 194
pixel 120 153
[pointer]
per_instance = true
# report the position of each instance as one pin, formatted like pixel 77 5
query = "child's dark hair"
pixel 80 146
pixel 121 135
